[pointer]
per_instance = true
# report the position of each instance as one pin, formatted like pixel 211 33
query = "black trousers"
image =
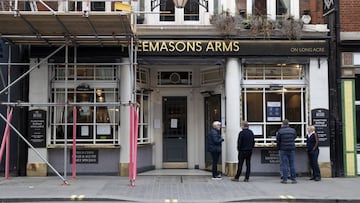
pixel 215 159
pixel 244 156
pixel 313 158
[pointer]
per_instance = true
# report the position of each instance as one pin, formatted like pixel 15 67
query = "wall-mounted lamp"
pixel 306 18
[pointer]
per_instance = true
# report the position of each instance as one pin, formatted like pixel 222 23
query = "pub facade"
pixel 186 70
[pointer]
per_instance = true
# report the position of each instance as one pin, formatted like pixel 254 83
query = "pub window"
pixel 143 131
pixel 282 8
pixel 191 11
pixel 183 78
pixel 265 108
pixel 142 77
pixel 75 5
pixel 95 123
pixel 272 93
pixel 169 7
pixel 95 90
pixel 259 7
pixel 274 72
pixel 357 109
pixel 98 6
pixel 85 72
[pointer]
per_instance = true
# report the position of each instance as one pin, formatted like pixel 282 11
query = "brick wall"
pixel 349 15
pixel 315 8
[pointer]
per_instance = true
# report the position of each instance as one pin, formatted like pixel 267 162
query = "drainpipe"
pixel 336 134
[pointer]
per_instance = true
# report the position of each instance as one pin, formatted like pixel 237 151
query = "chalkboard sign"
pixel 37 127
pixel 270 156
pixel 320 120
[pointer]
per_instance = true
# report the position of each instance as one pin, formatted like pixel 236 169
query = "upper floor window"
pixel 97 6
pixel 274 9
pixel 189 13
pixel 167 9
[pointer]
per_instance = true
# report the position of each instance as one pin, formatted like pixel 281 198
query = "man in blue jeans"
pixel 285 139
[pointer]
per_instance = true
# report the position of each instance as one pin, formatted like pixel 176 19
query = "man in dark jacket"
pixel 214 147
pixel 245 144
pixel 285 139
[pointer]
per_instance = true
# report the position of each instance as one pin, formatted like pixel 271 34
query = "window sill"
pixel 273 145
pixel 85 146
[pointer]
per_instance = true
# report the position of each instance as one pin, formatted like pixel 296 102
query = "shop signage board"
pixel 320 120
pixel 86 156
pixel 37 127
pixel 270 156
pixel 232 48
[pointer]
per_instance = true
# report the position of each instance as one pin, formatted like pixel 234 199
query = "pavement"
pixel 177 188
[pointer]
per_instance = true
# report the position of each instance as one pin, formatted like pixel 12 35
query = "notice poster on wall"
pixel 173 123
pixel 37 127
pixel 273 111
pixel 320 120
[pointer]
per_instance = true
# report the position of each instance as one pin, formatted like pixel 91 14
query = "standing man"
pixel 285 138
pixel 214 147
pixel 245 144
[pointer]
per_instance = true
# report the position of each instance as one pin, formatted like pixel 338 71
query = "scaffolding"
pixel 52 23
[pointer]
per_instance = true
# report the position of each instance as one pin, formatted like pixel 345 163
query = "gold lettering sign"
pixel 189 46
pixel 307 50
pixel 234 47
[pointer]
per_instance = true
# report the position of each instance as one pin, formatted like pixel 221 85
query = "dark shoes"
pixel 315 178
pixel 285 182
pixel 218 177
pixel 237 179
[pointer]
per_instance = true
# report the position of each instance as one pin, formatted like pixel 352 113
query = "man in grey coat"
pixel 285 139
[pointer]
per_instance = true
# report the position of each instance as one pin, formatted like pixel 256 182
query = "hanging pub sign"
pixel 328 7
pixel 37 127
pixel 320 120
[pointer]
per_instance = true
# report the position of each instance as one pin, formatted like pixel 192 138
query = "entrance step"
pixel 176 172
